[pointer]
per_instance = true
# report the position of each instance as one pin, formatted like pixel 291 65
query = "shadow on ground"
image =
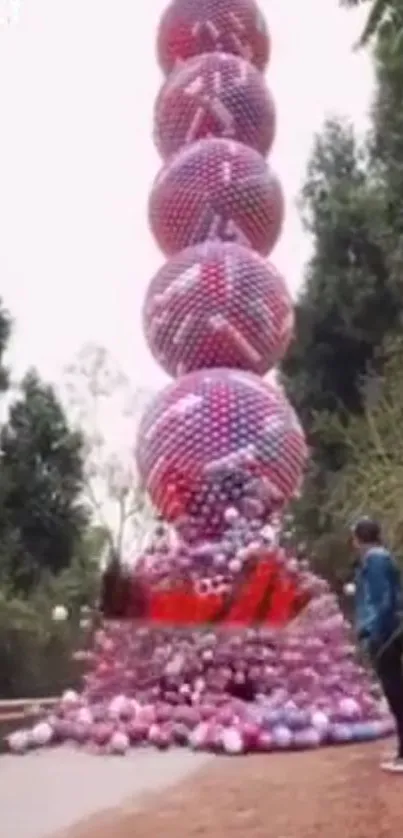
pixel 315 795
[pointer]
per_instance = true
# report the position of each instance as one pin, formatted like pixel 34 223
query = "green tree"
pixel 77 586
pixel 372 480
pixel 42 516
pixel 386 139
pixel 36 652
pixel 382 14
pixel 347 302
pixel 352 299
pixel 5 332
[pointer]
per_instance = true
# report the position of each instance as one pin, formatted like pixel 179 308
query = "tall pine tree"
pixel 347 303
pixel 381 13
pixel 5 332
pixel 41 514
pixel 352 300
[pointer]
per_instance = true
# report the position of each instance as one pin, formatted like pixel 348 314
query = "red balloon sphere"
pixel 219 438
pixel 216 189
pixel 218 304
pixel 192 27
pixel 214 95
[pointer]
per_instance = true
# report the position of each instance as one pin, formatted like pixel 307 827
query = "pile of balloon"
pixel 220 639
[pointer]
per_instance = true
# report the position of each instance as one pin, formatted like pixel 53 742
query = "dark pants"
pixel 389 668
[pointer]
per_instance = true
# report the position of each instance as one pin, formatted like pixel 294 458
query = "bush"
pixel 35 651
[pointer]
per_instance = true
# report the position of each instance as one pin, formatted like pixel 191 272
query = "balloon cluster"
pixel 220 451
pixel 217 315
pixel 225 690
pixel 223 687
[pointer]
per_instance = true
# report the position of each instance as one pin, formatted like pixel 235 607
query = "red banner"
pixel 263 594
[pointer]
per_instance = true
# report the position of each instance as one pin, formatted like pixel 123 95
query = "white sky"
pixel 77 83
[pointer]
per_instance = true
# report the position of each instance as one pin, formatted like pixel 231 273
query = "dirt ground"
pixel 316 795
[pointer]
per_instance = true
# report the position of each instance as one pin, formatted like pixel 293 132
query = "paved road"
pixel 44 793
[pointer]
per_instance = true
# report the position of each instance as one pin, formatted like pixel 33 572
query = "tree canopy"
pixel 373 475
pixel 5 332
pixel 347 302
pixel 381 14
pixel 41 514
pixel 350 309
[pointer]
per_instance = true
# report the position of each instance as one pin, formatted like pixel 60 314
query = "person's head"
pixel 366 533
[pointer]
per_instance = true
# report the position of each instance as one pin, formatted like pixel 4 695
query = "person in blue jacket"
pixel 379 620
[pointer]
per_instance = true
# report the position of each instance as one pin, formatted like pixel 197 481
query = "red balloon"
pixel 214 95
pixel 218 304
pixel 193 27
pixel 216 189
pixel 219 438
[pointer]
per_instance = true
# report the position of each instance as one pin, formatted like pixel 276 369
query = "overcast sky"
pixel 77 83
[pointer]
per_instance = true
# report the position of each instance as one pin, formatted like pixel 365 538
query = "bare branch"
pixel 107 410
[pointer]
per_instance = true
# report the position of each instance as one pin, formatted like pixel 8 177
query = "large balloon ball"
pixel 218 304
pixel 192 27
pixel 216 189
pixel 214 95
pixel 219 438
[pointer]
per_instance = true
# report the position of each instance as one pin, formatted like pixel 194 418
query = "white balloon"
pixel 119 743
pixel 282 737
pixel 320 722
pixel 232 741
pixel 231 515
pixel 19 741
pixel 70 697
pixel 42 734
pixel 60 613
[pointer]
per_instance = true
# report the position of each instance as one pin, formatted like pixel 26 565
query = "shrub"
pixel 36 651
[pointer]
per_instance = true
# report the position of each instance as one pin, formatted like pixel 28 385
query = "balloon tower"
pixel 196 653
pixel 218 315
pixel 219 444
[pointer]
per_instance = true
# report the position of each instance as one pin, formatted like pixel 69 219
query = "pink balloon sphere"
pixel 214 438
pixel 214 95
pixel 218 304
pixel 192 27
pixel 216 189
